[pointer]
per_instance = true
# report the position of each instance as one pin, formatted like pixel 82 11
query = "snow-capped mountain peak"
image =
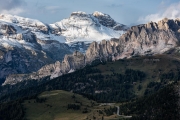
pixel 79 27
pixel 97 13
pixel 82 27
pixel 21 21
pixel 79 13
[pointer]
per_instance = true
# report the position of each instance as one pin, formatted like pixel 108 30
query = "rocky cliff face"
pixel 107 21
pixel 69 64
pixel 14 60
pixel 22 52
pixel 147 39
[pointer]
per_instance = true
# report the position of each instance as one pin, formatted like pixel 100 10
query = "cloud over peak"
pixel 11 6
pixel 170 12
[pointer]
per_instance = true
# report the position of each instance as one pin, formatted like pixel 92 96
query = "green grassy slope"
pixel 53 105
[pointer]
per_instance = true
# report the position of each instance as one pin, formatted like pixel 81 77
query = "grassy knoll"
pixel 54 106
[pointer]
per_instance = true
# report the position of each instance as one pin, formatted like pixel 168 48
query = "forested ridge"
pixel 112 88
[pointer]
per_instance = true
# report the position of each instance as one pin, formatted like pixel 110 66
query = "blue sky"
pixel 124 11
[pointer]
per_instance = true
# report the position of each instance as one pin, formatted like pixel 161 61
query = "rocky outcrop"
pixel 7 29
pixel 70 62
pixel 107 21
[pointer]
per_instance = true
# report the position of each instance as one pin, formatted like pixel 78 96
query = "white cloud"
pixel 52 7
pixel 171 12
pixel 15 11
pixel 12 6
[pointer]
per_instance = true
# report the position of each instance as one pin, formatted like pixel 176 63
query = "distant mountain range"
pixel 88 36
pixel 27 44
